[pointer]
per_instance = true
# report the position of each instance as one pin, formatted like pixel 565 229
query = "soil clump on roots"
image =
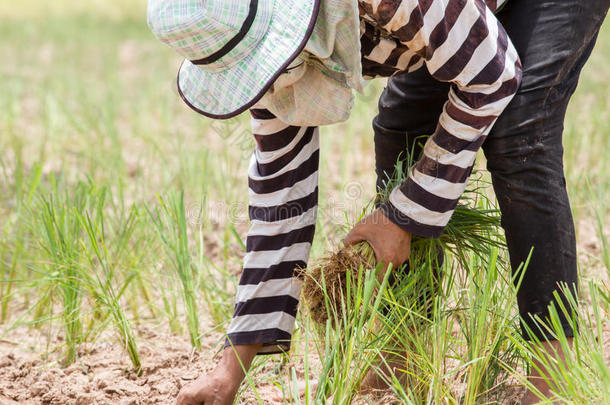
pixel 328 279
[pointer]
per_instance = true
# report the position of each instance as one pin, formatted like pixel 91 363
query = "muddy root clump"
pixel 327 280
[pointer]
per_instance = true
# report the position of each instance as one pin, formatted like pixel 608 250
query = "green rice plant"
pixel 407 321
pixel 297 392
pixel 60 235
pixel 349 345
pixel 22 188
pixel 170 221
pixel 583 377
pixel 101 283
pixel 487 318
pixel 131 242
pixel 412 312
pixel 76 260
pixel 427 325
pixel 216 283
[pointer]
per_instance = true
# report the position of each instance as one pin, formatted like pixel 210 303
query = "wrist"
pixel 409 224
pixel 237 359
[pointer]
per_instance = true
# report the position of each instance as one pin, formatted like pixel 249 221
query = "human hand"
pixel 391 243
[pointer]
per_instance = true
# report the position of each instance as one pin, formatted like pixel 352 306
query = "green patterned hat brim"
pixel 230 92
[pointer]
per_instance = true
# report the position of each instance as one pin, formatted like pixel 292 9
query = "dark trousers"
pixel 524 151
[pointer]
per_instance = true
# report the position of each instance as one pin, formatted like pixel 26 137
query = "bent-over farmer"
pixel 294 64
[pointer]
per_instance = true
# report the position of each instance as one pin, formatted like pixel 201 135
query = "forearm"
pixel 483 67
pixel 283 186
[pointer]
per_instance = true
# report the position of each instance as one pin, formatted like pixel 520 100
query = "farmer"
pixel 294 64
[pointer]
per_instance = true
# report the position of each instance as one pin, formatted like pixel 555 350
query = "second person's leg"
pixel 525 156
pixel 524 149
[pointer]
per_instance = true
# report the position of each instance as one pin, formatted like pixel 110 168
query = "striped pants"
pixel 283 184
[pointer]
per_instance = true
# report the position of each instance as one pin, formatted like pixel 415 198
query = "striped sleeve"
pixel 283 191
pixel 463 43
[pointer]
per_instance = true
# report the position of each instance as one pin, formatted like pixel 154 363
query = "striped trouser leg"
pixel 283 184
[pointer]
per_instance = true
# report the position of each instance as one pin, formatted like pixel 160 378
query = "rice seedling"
pixel 349 347
pixel 405 323
pixel 413 313
pixel 170 222
pixel 101 284
pixel 80 264
pixel 487 318
pixel 61 233
pixel 216 285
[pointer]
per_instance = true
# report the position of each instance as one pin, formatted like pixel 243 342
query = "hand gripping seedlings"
pixel 473 229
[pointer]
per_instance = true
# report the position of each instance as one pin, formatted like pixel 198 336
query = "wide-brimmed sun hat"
pixel 234 49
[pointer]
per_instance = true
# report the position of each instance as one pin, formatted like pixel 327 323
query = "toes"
pixel 190 396
pixel 185 397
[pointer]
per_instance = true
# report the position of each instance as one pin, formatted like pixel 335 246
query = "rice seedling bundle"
pixel 327 283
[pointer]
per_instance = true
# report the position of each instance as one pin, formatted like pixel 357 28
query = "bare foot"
pixel 553 349
pixel 541 385
pixel 377 378
pixel 216 388
pixel 220 386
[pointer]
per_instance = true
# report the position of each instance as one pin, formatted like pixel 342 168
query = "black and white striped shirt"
pixel 459 41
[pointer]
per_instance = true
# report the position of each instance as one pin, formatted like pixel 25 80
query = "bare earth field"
pixel 103 374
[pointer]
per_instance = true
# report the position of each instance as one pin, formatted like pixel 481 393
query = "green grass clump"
pixel 350 342
pixel 101 283
pixel 413 308
pixel 170 222
pixel 583 377
pixel 61 232
pixel 77 262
